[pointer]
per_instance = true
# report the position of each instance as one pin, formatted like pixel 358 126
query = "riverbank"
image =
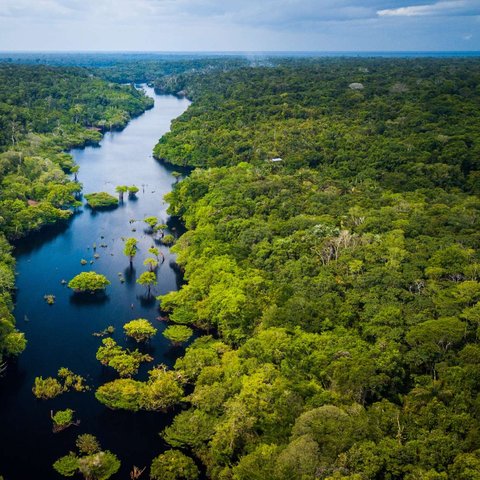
pixel 61 334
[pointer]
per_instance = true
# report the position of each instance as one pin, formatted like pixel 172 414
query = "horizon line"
pixel 237 51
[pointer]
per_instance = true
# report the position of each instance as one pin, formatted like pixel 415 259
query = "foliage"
pixel 132 191
pixel 50 299
pixel 177 334
pixel 125 362
pixel 45 111
pixel 151 263
pixel 62 418
pixel 168 239
pixel 147 279
pixel 101 200
pixel 87 444
pixel 151 221
pixel 88 282
pixel 130 248
pixel 140 329
pixel 92 462
pixel 343 281
pixel 160 392
pixel 173 465
pixel 46 388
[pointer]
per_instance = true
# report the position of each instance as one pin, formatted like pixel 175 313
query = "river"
pixel 60 335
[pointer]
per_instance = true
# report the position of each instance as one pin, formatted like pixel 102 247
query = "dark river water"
pixel 61 335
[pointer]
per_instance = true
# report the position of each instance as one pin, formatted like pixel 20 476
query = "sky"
pixel 239 25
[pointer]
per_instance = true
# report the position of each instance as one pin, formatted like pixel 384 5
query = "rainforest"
pixel 235 268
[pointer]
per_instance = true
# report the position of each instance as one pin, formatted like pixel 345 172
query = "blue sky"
pixel 239 25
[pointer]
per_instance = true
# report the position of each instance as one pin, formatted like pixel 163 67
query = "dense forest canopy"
pixel 44 111
pixel 338 286
pixel 343 279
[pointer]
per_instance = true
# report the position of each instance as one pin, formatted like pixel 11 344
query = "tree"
pixel 151 263
pixel 132 191
pixel 173 465
pixel 168 239
pixel 178 334
pixel 176 176
pixel 75 169
pixel 155 251
pixel 92 462
pixel 88 282
pixel 160 392
pixel 141 330
pixel 121 190
pixel 46 388
pixel 14 343
pixel 63 419
pixel 101 200
pixel 124 361
pixel 130 248
pixel 151 222
pixel 148 279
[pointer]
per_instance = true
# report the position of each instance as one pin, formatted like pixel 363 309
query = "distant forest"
pixel 332 252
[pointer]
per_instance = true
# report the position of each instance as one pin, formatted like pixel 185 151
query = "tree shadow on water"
pixel 86 299
pixel 147 300
pixel 130 275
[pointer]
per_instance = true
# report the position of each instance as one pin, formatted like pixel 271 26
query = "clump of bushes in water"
pixel 125 362
pixel 132 191
pixel 140 330
pixel 91 461
pixel 50 299
pixel 50 387
pixel 101 201
pixel 161 391
pixel 168 239
pixel 63 419
pixel 178 334
pixel 88 282
pixel 173 464
pixel 108 331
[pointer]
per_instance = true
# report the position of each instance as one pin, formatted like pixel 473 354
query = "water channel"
pixel 60 335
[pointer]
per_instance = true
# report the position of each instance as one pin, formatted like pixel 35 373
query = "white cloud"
pixel 453 7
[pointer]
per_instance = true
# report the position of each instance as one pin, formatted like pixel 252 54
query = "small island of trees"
pixel 140 330
pixel 101 201
pixel 88 282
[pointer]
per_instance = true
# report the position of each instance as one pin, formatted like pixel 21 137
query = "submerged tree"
pixel 151 263
pixel 121 190
pixel 173 465
pixel 130 248
pixel 151 222
pixel 168 239
pixel 46 388
pixel 63 419
pixel 124 361
pixel 132 191
pixel 147 279
pixel 177 176
pixel 88 282
pixel 75 169
pixel 101 200
pixel 178 334
pixel 162 391
pixel 158 254
pixel 140 330
pixel 92 462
